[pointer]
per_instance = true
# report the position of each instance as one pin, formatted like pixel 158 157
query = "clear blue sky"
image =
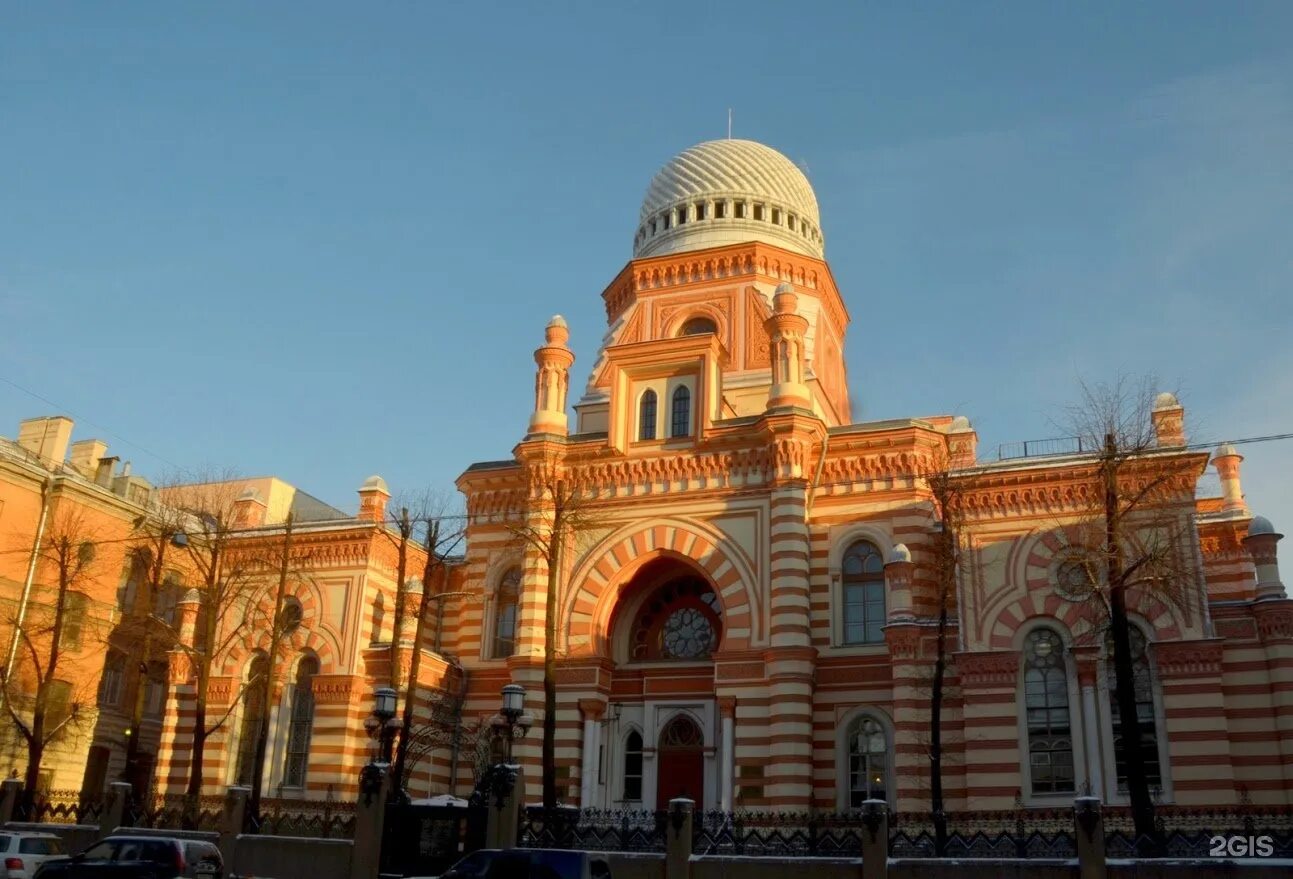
pixel 321 241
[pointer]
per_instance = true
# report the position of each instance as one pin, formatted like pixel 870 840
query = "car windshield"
pixel 474 865
pixel 40 845
pixel 99 852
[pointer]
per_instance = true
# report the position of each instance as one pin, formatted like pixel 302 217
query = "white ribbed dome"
pixel 728 192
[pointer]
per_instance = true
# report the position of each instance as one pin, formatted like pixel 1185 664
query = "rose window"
pixel 680 620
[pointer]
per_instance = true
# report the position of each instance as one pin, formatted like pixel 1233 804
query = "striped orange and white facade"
pixel 716 465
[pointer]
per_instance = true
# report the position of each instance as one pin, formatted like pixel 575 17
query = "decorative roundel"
pixel 688 634
pixel 1074 579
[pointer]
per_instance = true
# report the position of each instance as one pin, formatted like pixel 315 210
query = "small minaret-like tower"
pixel 552 380
pixel 786 344
pixel 1227 460
pixel 373 495
pixel 1169 421
pixel 1261 542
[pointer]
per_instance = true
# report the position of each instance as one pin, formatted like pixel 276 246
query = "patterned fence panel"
pixel 324 819
pixel 64 807
pixel 176 812
pixel 594 830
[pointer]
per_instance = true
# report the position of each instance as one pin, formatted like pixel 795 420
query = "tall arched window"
pixel 868 761
pixel 379 621
pixel 863 594
pixel 646 416
pixel 301 723
pixel 680 422
pixel 1046 707
pixel 509 596
pixel 253 715
pixel 114 675
pixel 1144 712
pixel 633 766
pixel 290 620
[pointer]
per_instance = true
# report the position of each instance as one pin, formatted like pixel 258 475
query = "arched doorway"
pixel 681 762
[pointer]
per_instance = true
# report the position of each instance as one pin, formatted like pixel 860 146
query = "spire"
pixel 552 380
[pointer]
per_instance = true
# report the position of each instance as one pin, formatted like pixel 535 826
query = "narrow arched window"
pixel 379 621
pixel 114 675
pixel 1046 713
pixel 868 762
pixel 253 715
pixel 290 620
pixel 646 416
pixel 680 422
pixel 633 766
pixel 301 723
pixel 1145 714
pixel 863 594
pixel 509 595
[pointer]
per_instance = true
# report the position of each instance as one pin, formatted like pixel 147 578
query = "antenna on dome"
pixel 729 123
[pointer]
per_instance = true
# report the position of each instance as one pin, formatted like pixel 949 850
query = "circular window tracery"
pixel 1074 579
pixel 681 620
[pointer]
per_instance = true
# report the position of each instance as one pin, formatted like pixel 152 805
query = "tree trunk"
pixel 1142 805
pixel 550 662
pixel 193 792
pixel 937 812
pixel 35 753
pixel 267 685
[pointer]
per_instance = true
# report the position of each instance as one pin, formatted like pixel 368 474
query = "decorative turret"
pixel 1226 459
pixel 552 380
pixel 962 443
pixel 1261 543
pixel 898 570
pixel 373 495
pixel 786 343
pixel 1169 421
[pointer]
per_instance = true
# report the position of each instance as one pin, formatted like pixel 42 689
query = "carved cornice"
pixel 220 691
pixel 1189 659
pixel 337 689
pixel 1274 620
pixel 903 641
pixel 995 669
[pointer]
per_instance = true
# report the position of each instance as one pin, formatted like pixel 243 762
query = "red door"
pixel 680 763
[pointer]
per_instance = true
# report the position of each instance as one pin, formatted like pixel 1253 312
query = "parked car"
pixel 530 863
pixel 25 851
pixel 139 857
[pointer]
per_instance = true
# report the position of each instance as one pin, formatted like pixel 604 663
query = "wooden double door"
pixel 680 763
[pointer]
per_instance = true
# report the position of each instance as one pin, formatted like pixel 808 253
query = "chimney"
pixel 47 438
pixel 249 509
pixel 85 456
pixel 103 473
pixel 373 495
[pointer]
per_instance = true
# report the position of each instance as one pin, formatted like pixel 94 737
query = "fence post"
pixel 505 804
pixel 677 859
pixel 1089 818
pixel 231 823
pixel 10 791
pixel 875 839
pixel 114 808
pixel 370 821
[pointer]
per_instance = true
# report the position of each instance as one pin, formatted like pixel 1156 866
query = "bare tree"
pixel 943 560
pixel 441 533
pixel 559 509
pixel 68 548
pixel 1134 537
pixel 195 524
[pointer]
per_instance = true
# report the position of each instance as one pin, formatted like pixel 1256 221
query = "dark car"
pixel 535 863
pixel 139 857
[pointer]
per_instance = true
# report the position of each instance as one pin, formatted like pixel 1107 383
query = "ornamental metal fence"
pixel 61 807
pixel 323 819
pixel 1030 834
pixel 175 812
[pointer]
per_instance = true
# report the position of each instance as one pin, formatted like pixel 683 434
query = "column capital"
pixel 592 709
pixel 727 706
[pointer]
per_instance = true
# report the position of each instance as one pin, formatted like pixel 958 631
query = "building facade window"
pixel 1047 717
pixel 633 766
pixel 290 619
pixel 1145 713
pixel 114 674
pixel 681 620
pixel 862 572
pixel 680 420
pixel 698 326
pixel 868 762
pixel 646 416
pixel 253 715
pixel 301 723
pixel 74 607
pixel 505 616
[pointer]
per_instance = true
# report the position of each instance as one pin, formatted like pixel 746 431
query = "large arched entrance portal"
pixel 681 758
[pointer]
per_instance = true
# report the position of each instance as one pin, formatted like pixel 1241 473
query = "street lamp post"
pixel 512 713
pixel 384 712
